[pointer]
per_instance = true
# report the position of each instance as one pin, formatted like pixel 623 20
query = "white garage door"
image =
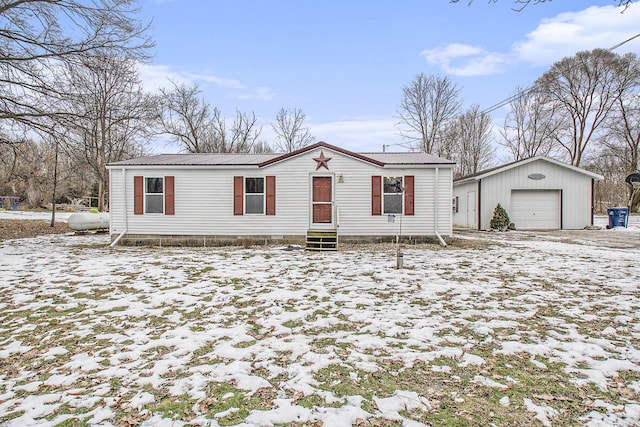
pixel 535 209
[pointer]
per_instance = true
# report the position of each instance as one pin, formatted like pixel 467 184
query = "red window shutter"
pixel 376 195
pixel 271 195
pixel 408 195
pixel 138 195
pixel 169 198
pixel 238 195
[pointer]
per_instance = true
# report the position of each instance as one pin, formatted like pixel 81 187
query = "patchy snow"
pixel 542 413
pixel 18 214
pixel 390 407
pixel 505 401
pixel 633 223
pixel 150 335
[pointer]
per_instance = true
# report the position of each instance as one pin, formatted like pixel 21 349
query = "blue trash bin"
pixel 14 204
pixel 617 217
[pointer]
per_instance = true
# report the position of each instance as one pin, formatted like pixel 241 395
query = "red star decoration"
pixel 322 161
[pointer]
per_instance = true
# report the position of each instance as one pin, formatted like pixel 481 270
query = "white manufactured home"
pixel 320 194
pixel 539 193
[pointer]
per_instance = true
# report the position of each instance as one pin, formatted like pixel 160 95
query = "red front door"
pixel 322 200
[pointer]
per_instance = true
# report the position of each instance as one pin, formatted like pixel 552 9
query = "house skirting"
pixel 215 240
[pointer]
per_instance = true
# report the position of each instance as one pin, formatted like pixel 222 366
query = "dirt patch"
pixel 24 228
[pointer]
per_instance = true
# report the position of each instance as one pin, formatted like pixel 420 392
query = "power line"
pixel 524 92
pixel 626 41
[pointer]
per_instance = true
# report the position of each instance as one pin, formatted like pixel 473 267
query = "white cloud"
pixel 466 60
pixel 572 32
pixel 555 38
pixel 216 80
pixel 360 134
pixel 157 76
pixel 260 93
pixel 357 134
pixel 450 52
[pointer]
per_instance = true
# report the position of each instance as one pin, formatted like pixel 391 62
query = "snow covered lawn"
pixel 509 329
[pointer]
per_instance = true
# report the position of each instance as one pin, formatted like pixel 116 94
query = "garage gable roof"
pixel 499 169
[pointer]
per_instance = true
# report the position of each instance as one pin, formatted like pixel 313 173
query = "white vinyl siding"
pixel 576 191
pixel 467 215
pixel 204 199
pixel 117 222
pixel 572 187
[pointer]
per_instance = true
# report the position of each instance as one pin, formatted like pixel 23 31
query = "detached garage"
pixel 539 193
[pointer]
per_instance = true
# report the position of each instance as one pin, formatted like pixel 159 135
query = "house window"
pixel 392 190
pixel 154 195
pixel 254 195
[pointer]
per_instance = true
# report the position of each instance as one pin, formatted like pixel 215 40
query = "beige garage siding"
pixel 535 209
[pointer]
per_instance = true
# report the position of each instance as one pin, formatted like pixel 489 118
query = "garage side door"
pixel 535 209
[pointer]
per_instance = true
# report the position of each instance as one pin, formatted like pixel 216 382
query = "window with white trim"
pixel 154 195
pixel 254 196
pixel 392 190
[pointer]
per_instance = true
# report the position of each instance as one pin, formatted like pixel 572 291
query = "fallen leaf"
pixel 549 397
pixel 296 397
pixel 544 397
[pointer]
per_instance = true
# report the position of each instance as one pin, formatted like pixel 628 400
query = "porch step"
pixel 322 241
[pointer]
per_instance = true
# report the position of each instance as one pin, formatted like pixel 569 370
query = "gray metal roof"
pixel 410 158
pixel 261 160
pixel 200 159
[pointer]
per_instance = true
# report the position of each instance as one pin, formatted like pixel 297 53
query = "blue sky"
pixel 344 63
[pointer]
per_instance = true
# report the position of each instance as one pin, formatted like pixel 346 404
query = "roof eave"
pixel 180 166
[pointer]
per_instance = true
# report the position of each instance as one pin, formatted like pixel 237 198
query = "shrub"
pixel 500 220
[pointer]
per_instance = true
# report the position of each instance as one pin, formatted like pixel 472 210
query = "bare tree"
pixel 469 141
pixel 428 103
pixel 237 137
pixel 38 35
pixel 291 134
pixel 623 124
pixel 529 126
pixel 244 133
pixel 623 142
pixel 111 115
pixel 611 191
pixel 261 147
pixel 30 175
pixel 521 4
pixel 186 117
pixel 583 90
pixel 623 138
pixel 189 120
pixel 27 168
pixel 9 163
